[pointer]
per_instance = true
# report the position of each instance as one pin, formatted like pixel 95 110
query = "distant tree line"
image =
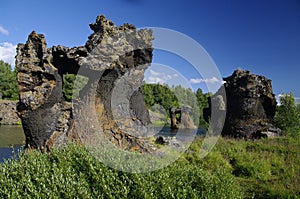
pixel 176 96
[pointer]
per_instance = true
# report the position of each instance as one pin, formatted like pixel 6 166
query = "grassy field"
pixel 267 168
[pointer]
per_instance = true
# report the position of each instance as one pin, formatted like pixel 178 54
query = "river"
pixel 12 139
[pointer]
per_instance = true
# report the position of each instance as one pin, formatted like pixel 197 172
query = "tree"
pixel 177 96
pixel 202 99
pixel 8 82
pixel 72 84
pixel 159 94
pixel 287 115
pixel 68 86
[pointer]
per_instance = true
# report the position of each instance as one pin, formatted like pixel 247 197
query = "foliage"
pixel 8 82
pixel 267 168
pixel 72 84
pixel 288 115
pixel 74 173
pixel 202 99
pixel 159 94
pixel 176 96
pixel 187 97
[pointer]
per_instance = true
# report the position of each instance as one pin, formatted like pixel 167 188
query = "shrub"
pixel 74 173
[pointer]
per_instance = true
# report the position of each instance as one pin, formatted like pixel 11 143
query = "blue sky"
pixel 262 36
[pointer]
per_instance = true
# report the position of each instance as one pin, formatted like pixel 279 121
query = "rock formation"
pixel 250 106
pixel 180 118
pixel 113 59
pixel 8 113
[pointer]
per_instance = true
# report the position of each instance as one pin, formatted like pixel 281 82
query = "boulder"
pixel 250 106
pixel 113 59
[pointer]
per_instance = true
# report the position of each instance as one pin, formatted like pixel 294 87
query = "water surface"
pixel 12 139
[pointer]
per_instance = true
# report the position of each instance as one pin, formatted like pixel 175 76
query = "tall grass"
pixel 267 168
pixel 74 173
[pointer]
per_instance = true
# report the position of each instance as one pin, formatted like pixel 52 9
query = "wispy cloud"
pixel 155 77
pixel 8 53
pixel 212 80
pixel 152 72
pixel 3 30
pixel 155 80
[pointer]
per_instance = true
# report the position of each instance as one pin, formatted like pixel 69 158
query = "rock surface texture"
pixel 180 118
pixel 250 106
pixel 8 113
pixel 113 59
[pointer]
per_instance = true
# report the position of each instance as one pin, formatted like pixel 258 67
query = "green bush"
pixel 74 173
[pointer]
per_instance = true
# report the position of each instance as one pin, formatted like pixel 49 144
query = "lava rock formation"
pixel 250 106
pixel 112 56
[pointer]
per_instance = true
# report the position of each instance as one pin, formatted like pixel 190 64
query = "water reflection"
pixel 12 139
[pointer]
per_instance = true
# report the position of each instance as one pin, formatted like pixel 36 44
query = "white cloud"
pixel 154 77
pixel 297 99
pixel 3 30
pixel 155 73
pixel 212 80
pixel 155 80
pixel 8 53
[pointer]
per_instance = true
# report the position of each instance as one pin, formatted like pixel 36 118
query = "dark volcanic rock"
pixel 250 106
pixel 113 56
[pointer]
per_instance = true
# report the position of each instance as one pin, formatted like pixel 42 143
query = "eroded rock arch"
pixel 111 52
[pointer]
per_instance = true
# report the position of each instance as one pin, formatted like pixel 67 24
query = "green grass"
pixel 268 168
pixel 74 173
